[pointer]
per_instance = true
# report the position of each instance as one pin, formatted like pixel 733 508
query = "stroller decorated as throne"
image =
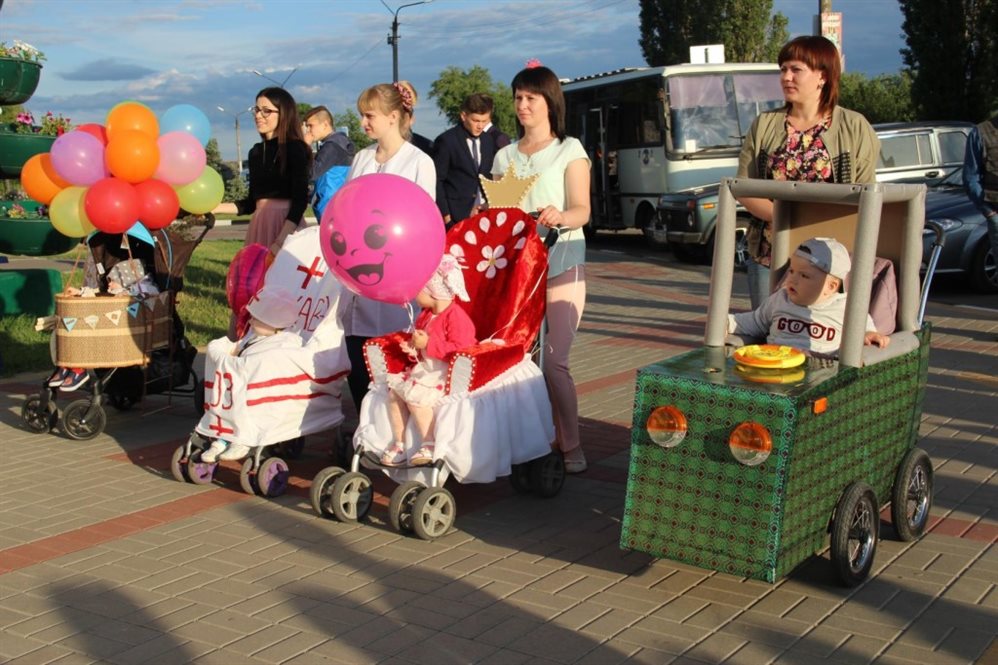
pixel 495 417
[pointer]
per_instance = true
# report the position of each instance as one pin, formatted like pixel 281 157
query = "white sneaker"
pixel 217 447
pixel 235 451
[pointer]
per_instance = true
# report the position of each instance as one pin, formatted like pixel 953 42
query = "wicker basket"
pixel 102 332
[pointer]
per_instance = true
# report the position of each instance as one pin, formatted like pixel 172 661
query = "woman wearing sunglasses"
pixel 279 168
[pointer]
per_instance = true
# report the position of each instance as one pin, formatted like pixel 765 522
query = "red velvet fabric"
pixel 510 305
pixel 489 361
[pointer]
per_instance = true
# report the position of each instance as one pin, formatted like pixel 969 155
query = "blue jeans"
pixel 758 281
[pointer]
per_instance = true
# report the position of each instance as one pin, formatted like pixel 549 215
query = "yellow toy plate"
pixel 769 356
pixel 762 375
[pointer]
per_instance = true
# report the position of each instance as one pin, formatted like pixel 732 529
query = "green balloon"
pixel 203 194
pixel 67 213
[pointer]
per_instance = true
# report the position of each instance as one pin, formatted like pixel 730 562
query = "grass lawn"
pixel 202 306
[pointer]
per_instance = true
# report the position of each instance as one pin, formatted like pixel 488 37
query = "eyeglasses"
pixel 266 113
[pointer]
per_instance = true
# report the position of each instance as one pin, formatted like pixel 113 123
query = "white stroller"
pixel 270 401
pixel 496 419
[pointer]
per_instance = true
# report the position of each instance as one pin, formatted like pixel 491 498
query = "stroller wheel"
pixel 34 418
pixel 400 506
pixel 433 513
pixel 321 491
pixel 519 478
pixel 198 472
pixel 547 475
pixel 272 477
pixel 352 496
pixel 122 402
pixel 83 420
pixel 178 466
pixel 247 477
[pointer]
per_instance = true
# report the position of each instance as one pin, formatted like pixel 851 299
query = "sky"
pixel 204 52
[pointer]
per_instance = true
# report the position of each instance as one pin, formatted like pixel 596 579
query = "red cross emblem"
pixel 219 429
pixel 310 272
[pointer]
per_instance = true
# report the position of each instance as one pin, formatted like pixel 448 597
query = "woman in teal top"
pixel 561 195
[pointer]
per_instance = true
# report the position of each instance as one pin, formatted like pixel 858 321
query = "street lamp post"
pixel 279 85
pixel 393 39
pixel 239 150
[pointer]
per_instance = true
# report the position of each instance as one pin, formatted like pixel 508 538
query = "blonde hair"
pixel 388 97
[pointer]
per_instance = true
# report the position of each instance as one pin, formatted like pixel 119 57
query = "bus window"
pixel 703 113
pixel 756 93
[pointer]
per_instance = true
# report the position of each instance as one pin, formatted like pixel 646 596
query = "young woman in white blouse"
pixel 561 195
pixel 386 116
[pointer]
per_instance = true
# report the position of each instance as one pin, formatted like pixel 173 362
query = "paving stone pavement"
pixel 105 558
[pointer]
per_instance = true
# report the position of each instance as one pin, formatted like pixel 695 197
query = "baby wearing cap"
pixel 442 328
pixel 271 310
pixel 809 310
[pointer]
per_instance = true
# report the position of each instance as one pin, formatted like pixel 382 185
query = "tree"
pixel 951 54
pixel 884 98
pixel 747 28
pixel 454 85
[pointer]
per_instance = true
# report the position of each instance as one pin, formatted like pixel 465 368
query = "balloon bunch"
pixel 134 168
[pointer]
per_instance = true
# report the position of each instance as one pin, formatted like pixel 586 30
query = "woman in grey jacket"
pixel 811 139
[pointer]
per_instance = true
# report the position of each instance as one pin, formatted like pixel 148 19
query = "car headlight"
pixel 666 426
pixel 946 223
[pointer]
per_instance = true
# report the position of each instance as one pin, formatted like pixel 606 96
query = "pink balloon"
pixel 181 158
pixel 383 236
pixel 78 157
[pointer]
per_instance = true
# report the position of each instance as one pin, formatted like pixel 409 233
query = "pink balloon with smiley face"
pixel 383 237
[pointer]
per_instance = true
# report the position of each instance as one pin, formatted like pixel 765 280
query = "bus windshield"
pixel 714 111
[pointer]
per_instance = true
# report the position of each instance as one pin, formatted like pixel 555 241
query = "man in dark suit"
pixel 460 154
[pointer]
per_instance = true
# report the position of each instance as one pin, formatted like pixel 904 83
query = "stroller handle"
pixel 552 237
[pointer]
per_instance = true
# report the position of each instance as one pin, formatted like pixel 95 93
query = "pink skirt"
pixel 267 220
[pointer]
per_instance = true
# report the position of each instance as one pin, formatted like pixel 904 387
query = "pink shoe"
pixel 423 456
pixel 394 456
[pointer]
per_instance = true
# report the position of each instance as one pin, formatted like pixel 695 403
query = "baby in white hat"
pixel 808 312
pixel 271 310
pixel 442 328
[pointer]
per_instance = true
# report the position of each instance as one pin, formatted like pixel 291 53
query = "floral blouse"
pixel 804 157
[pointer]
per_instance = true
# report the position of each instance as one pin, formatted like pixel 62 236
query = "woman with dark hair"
pixel 278 172
pixel 811 139
pixel 561 196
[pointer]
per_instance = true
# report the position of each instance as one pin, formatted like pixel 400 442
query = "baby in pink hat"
pixel 442 328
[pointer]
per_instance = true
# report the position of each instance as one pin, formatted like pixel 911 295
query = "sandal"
pixel 394 456
pixel 423 456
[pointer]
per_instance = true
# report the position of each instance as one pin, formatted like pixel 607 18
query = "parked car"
pixel 920 151
pixel 967 249
pixel 910 152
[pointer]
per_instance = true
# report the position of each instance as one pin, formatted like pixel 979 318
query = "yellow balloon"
pixel 68 215
pixel 203 194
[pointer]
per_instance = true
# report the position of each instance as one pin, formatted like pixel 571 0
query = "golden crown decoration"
pixel 509 190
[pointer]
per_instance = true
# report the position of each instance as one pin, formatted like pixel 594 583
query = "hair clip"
pixel 533 63
pixel 406 96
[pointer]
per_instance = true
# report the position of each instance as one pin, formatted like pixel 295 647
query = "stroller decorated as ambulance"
pixel 494 418
pixel 276 384
pixel 119 338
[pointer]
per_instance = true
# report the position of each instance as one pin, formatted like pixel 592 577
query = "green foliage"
pixel 884 98
pixel 454 85
pixel 349 120
pixel 951 53
pixel 748 29
pixel 214 155
pixel 303 108
pixel 236 189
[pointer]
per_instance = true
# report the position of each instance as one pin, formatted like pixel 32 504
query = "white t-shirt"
pixel 364 317
pixel 550 189
pixel 815 329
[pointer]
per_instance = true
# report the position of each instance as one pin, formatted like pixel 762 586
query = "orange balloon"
pixel 132 156
pixel 40 180
pixel 131 116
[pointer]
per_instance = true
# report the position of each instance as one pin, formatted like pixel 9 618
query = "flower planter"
pixel 32 237
pixel 18 80
pixel 16 149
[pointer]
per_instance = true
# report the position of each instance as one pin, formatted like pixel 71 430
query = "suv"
pixel 912 152
pixel 920 151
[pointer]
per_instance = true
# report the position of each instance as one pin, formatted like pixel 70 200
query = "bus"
pixel 651 131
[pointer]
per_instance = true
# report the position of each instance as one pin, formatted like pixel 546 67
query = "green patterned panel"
pixel 695 503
